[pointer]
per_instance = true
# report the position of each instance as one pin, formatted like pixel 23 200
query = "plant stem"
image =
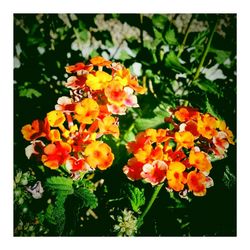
pixel 185 37
pixel 197 73
pixel 151 202
pixel 141 30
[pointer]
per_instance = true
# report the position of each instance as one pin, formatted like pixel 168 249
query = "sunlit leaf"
pixel 172 62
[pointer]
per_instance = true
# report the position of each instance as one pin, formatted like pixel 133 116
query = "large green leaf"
pixel 170 37
pixel 172 62
pixel 60 184
pixel 88 198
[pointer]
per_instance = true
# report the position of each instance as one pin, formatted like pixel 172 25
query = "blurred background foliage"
pixel 183 59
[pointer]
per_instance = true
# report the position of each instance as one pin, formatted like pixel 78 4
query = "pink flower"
pixel 154 172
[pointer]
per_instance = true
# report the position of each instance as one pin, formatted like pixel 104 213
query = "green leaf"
pixel 200 38
pixel 84 35
pixel 229 178
pixel 60 185
pixel 55 213
pixel 211 110
pixel 88 198
pixel 161 110
pixel 170 37
pixel 207 86
pixel 221 55
pixel 172 62
pixel 144 123
pixel 136 198
pixel 160 21
pixel 29 93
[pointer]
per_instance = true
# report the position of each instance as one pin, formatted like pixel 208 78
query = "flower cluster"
pixel 180 156
pixel 69 134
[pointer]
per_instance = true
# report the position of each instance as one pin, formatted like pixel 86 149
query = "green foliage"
pixel 172 62
pixel 88 199
pixel 60 185
pixel 229 178
pixel 136 198
pixel 55 213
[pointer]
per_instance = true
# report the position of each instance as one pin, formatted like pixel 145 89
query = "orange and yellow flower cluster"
pixel 69 134
pixel 181 157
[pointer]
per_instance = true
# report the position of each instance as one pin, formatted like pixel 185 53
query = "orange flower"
pixel 115 93
pixel 108 126
pixel 207 126
pixel 184 139
pixel 154 173
pixel 133 169
pixel 100 61
pixel 98 81
pixel 197 183
pixel 56 154
pixel 143 154
pixel 86 111
pixel 184 114
pixel 133 83
pixel 175 176
pixel 54 135
pixel 99 155
pixel 191 126
pixel 200 161
pixel 140 141
pixel 35 130
pixel 78 67
pixel 151 134
pixel 223 127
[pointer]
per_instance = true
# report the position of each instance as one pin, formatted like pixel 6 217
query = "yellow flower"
pixel 99 81
pixel 99 155
pixel 223 127
pixel 175 176
pixel 56 118
pixel 86 111
pixel 184 139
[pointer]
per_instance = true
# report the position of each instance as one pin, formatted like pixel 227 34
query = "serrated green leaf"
pixel 88 198
pixel 172 62
pixel 60 184
pixel 55 213
pixel 170 37
pixel 136 198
